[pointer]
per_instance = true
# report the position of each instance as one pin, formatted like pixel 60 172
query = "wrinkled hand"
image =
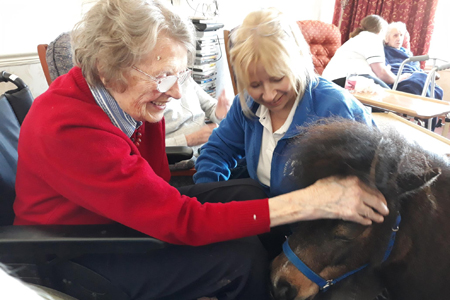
pixel 404 76
pixel 330 198
pixel 348 199
pixel 223 105
pixel 200 136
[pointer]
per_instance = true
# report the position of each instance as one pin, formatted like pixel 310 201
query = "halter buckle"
pixel 328 284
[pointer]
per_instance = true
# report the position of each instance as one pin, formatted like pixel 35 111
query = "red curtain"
pixel 418 15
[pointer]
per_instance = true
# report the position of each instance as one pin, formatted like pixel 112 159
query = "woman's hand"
pixel 223 106
pixel 201 136
pixel 329 198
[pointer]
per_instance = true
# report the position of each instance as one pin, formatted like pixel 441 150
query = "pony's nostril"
pixel 284 291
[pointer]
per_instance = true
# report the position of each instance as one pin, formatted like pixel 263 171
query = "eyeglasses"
pixel 166 83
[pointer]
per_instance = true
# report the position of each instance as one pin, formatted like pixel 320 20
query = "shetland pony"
pixel 416 185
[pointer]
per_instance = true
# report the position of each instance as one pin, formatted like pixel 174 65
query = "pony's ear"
pixel 414 173
pixel 409 183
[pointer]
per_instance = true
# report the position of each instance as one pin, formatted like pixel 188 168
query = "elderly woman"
pixel 362 54
pixel 396 54
pixel 91 151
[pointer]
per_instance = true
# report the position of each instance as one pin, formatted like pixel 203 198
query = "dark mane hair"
pixel 337 146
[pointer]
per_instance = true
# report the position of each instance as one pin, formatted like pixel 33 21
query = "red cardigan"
pixel 76 167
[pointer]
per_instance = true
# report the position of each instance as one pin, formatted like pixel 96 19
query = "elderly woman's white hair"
pixel 400 26
pixel 266 36
pixel 114 35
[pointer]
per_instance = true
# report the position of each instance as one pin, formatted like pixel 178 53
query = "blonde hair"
pixel 266 37
pixel 371 23
pixel 400 26
pixel 114 35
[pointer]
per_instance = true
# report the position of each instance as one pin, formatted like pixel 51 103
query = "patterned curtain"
pixel 418 15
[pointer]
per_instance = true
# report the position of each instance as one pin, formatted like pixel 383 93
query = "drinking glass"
pixel 350 82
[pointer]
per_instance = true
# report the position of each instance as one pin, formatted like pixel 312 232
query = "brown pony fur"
pixel 414 182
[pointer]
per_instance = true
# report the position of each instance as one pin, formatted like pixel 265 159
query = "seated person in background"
pixel 185 118
pixel 362 54
pixel 80 162
pixel 396 54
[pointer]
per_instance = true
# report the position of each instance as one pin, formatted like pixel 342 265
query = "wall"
pixel 440 44
pixel 27 23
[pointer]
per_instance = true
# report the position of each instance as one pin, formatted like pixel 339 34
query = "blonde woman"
pixel 362 54
pixel 278 92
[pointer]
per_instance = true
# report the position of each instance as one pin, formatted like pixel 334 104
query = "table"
pixel 404 103
pixel 412 132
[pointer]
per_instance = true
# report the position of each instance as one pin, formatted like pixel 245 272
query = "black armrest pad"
pixel 178 153
pixel 73 240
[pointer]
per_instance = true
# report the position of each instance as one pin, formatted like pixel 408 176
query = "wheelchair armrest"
pixel 178 153
pixel 70 241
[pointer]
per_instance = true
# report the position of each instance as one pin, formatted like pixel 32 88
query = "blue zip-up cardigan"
pixel 239 136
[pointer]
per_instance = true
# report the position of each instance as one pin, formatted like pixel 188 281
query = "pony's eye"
pixel 342 238
pixel 348 232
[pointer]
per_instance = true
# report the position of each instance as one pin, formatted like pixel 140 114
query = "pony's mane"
pixel 337 146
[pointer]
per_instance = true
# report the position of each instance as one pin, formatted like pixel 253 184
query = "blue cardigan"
pixel 239 136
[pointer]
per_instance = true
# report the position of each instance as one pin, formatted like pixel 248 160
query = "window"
pixel 440 41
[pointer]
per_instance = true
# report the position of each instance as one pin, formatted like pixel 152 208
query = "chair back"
pixel 59 56
pixel 323 40
pixel 42 49
pixel 56 58
pixel 14 105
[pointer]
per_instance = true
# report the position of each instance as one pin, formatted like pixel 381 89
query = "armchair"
pixel 323 40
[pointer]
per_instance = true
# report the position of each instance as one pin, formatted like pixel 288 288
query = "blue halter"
pixel 325 284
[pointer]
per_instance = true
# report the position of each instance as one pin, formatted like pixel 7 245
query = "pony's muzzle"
pixel 283 290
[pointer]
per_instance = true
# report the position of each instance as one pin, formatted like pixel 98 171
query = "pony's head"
pixel 333 249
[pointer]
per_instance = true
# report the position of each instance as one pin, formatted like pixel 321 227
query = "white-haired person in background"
pixel 362 54
pixel 185 119
pixel 395 54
